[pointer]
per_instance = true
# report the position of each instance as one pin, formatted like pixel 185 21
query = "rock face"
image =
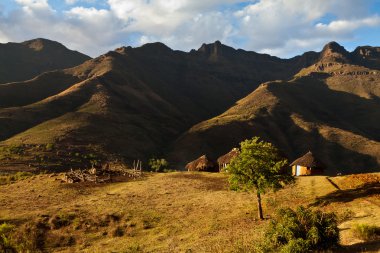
pixel 23 61
pixel 152 101
pixel 333 52
pixel 367 56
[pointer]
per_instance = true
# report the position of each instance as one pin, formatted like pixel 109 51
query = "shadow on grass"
pixel 344 196
pixel 372 246
pixel 208 183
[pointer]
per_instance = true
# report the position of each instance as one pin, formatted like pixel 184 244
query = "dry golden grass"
pixel 173 212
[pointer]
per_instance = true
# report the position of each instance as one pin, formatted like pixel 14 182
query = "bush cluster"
pixel 159 165
pixel 302 230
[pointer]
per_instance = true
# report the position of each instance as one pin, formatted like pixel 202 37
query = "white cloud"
pixel 344 26
pixel 33 3
pixel 284 27
pixel 280 27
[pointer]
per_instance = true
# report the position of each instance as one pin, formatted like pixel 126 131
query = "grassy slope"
pixel 179 211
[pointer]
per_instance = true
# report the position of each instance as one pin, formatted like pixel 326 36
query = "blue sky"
pixel 279 27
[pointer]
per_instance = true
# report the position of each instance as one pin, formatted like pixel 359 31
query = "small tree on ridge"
pixel 258 167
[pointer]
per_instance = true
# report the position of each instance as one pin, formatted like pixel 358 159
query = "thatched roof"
pixel 201 164
pixel 226 159
pixel 308 160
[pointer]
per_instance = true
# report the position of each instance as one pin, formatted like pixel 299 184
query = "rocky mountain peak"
pixel 333 52
pixel 216 50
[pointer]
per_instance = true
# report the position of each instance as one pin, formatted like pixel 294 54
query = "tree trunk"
pixel 259 207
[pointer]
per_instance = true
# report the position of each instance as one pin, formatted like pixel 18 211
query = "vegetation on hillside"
pixel 366 232
pixel 301 230
pixel 158 165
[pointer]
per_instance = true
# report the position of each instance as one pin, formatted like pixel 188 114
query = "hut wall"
pixel 303 171
pixel 306 171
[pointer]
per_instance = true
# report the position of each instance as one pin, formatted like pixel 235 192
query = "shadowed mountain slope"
pixel 23 61
pixel 331 107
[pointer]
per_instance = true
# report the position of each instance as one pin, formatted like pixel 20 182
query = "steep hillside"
pixel 130 102
pixel 331 107
pixel 23 61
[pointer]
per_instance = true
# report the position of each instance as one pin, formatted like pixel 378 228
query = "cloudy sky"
pixel 279 27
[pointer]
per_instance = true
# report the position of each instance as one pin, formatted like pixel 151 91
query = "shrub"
pixel 345 216
pixel 31 237
pixel 5 240
pixel 62 220
pixel 302 230
pixel 118 232
pixel 366 232
pixel 158 165
pixel 150 219
pixel 49 147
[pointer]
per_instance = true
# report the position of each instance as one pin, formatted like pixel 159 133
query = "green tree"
pixel 258 167
pixel 158 165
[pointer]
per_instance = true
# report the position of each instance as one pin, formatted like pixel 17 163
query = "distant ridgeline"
pixel 152 101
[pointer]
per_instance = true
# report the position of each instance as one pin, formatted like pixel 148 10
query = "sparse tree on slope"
pixel 258 167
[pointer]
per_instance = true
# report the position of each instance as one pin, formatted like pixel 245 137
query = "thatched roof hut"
pixel 307 165
pixel 224 160
pixel 203 163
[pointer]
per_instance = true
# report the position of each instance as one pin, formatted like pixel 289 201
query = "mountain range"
pixel 152 101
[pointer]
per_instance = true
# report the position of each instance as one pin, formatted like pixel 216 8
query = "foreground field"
pixel 176 212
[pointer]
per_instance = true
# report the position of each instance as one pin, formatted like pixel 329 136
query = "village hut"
pixel 307 165
pixel 203 163
pixel 225 160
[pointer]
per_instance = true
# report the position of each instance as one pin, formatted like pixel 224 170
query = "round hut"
pixel 203 163
pixel 307 165
pixel 224 160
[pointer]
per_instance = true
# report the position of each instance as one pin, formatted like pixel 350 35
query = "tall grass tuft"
pixel 366 232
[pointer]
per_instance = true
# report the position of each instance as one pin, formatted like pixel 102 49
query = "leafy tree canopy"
pixel 258 166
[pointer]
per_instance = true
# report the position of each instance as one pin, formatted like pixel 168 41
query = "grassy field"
pixel 176 212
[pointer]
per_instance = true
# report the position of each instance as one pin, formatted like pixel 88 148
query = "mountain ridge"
pixel 25 60
pixel 137 103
